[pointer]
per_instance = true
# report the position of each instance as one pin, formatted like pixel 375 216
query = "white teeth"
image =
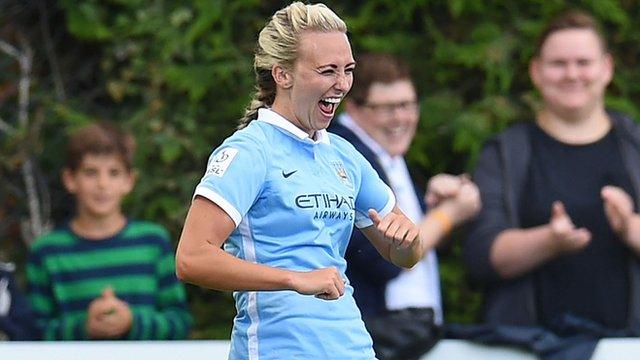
pixel 333 100
pixel 397 130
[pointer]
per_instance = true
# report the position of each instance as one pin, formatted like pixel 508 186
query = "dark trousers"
pixel 403 334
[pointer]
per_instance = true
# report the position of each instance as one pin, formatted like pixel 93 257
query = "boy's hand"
pixel 97 308
pixel 108 317
pixel 118 318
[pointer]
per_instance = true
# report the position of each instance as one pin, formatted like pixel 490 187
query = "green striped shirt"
pixel 66 273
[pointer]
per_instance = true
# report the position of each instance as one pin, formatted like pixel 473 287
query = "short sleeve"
pixel 235 175
pixel 373 194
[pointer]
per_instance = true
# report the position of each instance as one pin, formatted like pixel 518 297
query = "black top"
pixel 573 283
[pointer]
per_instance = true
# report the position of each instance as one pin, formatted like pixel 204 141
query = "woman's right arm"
pixel 518 251
pixel 201 261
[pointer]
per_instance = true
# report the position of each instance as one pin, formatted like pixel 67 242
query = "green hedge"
pixel 178 74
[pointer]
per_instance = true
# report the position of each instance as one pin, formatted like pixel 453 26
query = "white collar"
pixel 271 117
pixel 347 121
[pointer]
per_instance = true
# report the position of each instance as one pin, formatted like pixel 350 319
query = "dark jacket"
pixel 367 271
pixel 501 175
pixel 16 318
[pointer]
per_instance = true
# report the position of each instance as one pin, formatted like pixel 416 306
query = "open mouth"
pixel 328 105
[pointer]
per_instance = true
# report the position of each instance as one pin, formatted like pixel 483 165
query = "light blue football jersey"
pixel 294 201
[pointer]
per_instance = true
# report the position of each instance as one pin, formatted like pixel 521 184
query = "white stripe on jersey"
pixel 252 296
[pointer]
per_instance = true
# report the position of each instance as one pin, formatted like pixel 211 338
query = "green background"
pixel 178 74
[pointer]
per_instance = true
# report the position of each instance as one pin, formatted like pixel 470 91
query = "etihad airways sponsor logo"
pixel 324 200
pixel 327 206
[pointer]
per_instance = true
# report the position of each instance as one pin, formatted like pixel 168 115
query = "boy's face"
pixel 99 184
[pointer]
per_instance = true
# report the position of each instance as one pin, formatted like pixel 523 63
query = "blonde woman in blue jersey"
pixel 282 195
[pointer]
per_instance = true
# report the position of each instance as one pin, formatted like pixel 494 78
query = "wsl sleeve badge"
pixel 341 173
pixel 221 161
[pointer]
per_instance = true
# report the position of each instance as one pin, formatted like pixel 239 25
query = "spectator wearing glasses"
pixel 380 120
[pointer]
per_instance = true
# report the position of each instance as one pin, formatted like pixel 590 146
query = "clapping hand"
pixel 618 207
pixel 108 316
pixel 457 196
pixel 568 237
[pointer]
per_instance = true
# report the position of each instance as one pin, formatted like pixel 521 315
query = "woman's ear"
pixel 609 65
pixel 282 76
pixel 534 70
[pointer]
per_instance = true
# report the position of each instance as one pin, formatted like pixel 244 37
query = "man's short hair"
pixel 376 68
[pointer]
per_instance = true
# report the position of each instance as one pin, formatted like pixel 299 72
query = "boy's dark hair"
pixel 571 19
pixel 100 138
pixel 376 67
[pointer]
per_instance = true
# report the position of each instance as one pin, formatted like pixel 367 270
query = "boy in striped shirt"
pixel 102 275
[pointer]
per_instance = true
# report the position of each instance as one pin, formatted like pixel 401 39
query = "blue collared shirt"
pixel 294 201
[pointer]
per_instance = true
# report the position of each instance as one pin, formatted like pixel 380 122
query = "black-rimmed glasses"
pixel 389 108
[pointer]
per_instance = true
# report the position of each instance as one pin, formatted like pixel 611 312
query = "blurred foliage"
pixel 178 75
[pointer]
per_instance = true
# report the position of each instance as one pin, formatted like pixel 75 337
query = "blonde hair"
pixel 278 45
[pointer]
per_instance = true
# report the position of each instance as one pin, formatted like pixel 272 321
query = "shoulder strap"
pixel 627 132
pixel 515 152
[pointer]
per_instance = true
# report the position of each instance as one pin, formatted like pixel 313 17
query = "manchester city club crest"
pixel 342 173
